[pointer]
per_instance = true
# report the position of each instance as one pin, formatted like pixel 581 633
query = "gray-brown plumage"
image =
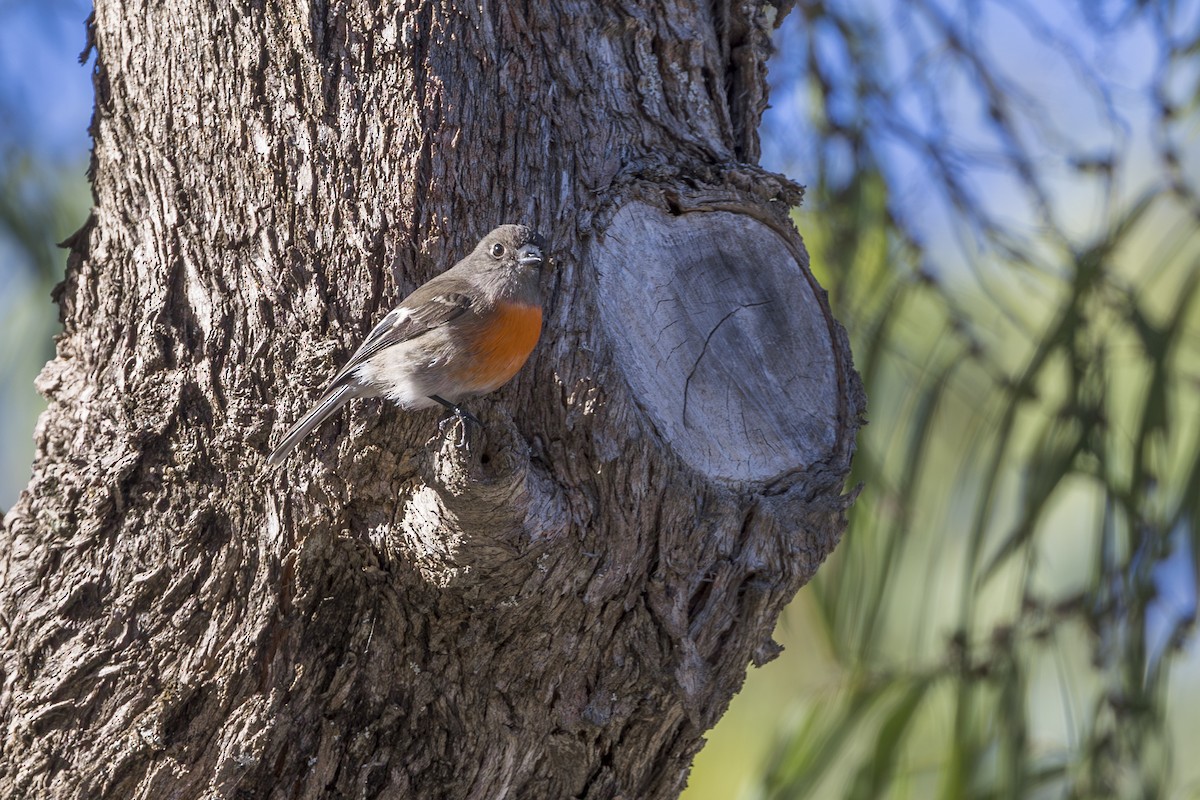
pixel 464 333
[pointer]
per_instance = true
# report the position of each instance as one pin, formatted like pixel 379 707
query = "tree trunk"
pixel 563 610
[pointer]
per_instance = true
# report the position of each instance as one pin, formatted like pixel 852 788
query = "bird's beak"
pixel 529 256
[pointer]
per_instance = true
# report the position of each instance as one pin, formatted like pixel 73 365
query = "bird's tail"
pixel 334 399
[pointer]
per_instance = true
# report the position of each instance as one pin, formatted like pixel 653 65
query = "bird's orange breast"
pixel 502 345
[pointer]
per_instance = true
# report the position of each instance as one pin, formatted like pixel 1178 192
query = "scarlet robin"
pixel 464 333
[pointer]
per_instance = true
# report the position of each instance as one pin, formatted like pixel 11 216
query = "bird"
pixel 463 334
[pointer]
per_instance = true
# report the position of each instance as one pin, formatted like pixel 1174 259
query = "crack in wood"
pixel 695 366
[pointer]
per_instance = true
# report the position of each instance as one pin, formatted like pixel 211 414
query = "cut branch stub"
pixel 717 329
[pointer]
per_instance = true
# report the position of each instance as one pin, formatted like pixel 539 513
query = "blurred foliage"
pixel 44 196
pixel 1018 269
pixel 38 200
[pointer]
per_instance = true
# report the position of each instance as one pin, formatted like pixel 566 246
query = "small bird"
pixel 464 333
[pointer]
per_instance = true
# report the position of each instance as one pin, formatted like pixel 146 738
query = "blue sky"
pixel 47 96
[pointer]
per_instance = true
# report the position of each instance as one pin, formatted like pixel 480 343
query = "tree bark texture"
pixel 560 612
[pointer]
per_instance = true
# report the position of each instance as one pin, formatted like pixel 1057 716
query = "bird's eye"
pixel 497 250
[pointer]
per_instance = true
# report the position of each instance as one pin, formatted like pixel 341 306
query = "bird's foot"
pixel 457 414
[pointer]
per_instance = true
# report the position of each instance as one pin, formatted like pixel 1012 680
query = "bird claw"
pixel 449 419
pixel 464 418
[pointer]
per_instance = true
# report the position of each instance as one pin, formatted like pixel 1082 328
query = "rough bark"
pixel 562 611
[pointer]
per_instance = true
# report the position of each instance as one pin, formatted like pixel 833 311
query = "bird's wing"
pixel 414 317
